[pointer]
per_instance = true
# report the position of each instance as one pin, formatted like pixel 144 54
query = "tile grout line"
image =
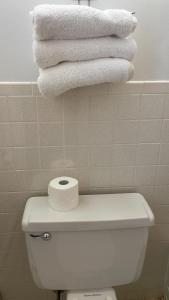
pixel 137 140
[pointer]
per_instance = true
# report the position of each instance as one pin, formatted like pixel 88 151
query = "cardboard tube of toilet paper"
pixel 63 193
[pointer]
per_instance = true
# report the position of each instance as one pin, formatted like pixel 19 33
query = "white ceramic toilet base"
pixel 98 294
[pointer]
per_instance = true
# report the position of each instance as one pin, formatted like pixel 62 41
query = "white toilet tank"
pixel 99 244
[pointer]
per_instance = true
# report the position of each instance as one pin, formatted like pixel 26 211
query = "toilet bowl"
pixel 88 250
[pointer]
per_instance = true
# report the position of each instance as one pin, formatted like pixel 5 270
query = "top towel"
pixel 76 22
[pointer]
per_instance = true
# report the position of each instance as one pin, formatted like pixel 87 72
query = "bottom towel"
pixel 69 75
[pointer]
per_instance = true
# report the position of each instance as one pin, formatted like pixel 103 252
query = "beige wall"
pixel 112 138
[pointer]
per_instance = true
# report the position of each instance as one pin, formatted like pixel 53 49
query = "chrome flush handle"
pixel 46 236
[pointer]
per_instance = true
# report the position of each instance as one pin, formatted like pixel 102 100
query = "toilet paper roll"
pixel 63 193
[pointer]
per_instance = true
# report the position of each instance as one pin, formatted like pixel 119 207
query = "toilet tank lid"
pixel 95 212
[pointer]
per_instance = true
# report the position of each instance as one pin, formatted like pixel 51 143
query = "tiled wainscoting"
pixel 112 138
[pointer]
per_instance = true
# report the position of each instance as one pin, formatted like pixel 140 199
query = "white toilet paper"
pixel 63 193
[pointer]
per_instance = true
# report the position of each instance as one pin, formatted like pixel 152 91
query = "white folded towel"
pixel 68 75
pixel 50 53
pixel 75 21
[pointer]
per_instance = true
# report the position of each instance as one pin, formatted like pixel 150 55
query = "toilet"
pixel 90 249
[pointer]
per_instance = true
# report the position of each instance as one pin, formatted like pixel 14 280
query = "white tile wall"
pixel 113 138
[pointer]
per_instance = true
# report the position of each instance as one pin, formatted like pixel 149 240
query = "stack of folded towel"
pixel 77 46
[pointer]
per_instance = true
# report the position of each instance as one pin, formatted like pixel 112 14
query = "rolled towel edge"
pixel 41 13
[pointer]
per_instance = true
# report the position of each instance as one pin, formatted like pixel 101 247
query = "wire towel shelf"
pixel 88 2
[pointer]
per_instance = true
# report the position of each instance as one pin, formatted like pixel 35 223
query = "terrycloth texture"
pixel 68 75
pixel 75 21
pixel 50 53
